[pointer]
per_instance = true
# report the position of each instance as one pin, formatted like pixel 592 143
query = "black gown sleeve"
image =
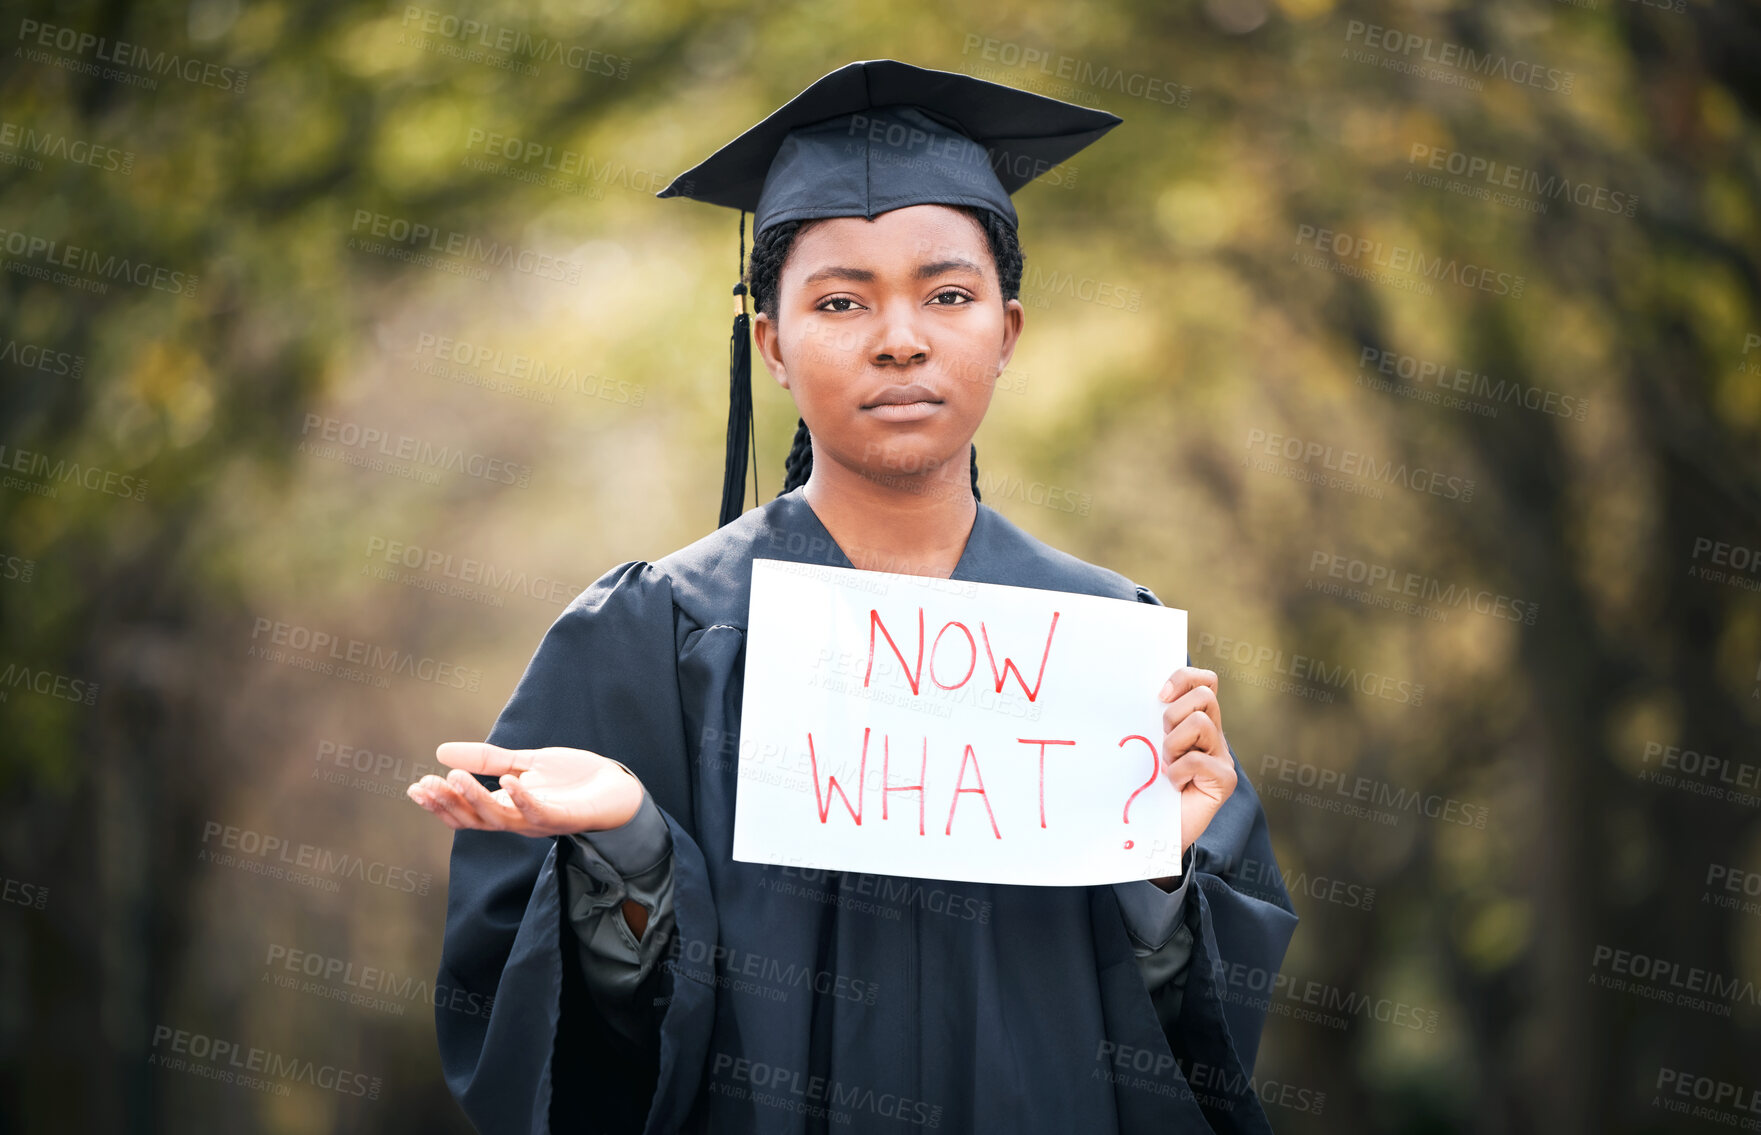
pixel 601 870
pixel 604 678
pixel 1161 938
pixel 1214 1030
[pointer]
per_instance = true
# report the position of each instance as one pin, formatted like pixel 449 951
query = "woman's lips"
pixel 904 403
pixel 903 411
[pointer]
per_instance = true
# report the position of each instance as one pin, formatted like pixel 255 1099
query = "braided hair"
pixel 764 273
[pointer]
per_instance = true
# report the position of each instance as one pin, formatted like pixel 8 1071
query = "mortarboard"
pixel 870 137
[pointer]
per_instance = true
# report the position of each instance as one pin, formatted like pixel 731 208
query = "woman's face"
pixel 890 334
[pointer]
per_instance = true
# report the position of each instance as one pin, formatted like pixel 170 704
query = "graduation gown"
pixel 803 1001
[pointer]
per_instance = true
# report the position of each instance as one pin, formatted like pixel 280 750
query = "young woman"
pixel 643 980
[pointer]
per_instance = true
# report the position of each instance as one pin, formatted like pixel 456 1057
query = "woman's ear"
pixel 764 331
pixel 1013 318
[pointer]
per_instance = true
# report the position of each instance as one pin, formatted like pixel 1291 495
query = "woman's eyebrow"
pixel 864 276
pixel 860 275
pixel 936 268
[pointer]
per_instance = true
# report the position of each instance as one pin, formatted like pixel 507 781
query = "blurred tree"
pixel 262 171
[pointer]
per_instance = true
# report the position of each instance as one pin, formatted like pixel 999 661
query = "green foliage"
pixel 325 235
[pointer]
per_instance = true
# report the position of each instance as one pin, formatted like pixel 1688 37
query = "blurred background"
pixel 1412 347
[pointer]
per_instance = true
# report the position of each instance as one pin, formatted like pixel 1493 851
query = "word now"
pixel 914 675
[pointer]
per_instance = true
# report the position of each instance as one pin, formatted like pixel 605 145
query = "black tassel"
pixel 740 431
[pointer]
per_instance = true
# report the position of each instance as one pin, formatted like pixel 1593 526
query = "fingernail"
pixel 1167 690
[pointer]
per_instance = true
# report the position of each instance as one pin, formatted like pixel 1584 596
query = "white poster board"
pixel 941 729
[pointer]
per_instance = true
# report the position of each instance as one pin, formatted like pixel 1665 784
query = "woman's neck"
pixel 912 525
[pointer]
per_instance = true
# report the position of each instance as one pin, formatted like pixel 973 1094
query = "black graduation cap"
pixel 870 137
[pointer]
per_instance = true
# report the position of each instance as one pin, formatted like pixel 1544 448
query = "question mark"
pixel 1156 758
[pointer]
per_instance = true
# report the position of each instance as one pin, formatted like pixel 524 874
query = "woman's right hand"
pixel 544 792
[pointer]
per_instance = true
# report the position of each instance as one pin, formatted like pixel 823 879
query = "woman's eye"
pixel 958 298
pixel 827 305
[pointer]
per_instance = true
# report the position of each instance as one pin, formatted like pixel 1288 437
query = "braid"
pixel 1005 250
pixel 770 249
pixel 764 270
pixel 799 464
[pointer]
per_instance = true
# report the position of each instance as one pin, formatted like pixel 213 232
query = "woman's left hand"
pixel 1194 756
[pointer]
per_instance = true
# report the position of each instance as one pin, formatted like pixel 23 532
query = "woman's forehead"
pixel 902 239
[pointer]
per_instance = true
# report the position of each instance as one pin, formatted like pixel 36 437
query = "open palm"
pixel 549 791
